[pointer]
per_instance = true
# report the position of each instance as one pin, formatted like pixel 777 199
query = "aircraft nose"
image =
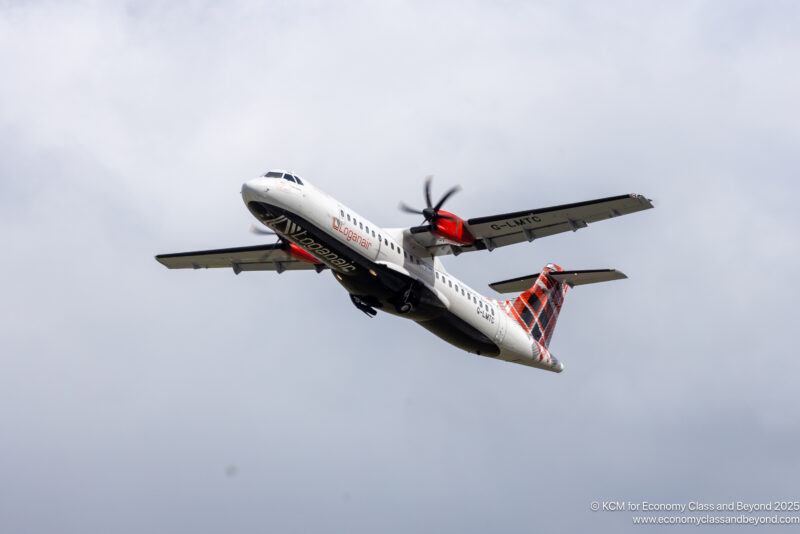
pixel 254 189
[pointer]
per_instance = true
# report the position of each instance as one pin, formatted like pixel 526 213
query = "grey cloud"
pixel 127 392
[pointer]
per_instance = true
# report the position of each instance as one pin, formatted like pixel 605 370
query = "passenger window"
pixel 348 216
pixel 392 245
pixel 361 225
pixel 367 227
pixel 385 241
pixel 373 233
pixel 462 291
pixel 437 275
pixel 450 283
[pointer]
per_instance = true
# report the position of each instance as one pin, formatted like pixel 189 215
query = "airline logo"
pixel 349 234
pixel 319 250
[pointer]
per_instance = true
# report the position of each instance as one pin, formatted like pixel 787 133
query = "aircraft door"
pixel 502 326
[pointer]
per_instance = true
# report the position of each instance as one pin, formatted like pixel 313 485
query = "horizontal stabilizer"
pixel 579 278
pixel 571 278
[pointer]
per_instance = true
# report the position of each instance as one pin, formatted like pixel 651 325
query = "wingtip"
pixel 643 199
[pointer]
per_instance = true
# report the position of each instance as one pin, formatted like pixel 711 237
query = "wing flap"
pixel 256 258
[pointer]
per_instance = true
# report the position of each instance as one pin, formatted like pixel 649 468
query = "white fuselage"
pixel 359 251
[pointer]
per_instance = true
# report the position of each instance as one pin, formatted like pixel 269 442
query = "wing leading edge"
pixel 510 228
pixel 256 258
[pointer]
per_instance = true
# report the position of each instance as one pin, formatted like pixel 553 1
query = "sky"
pixel 137 399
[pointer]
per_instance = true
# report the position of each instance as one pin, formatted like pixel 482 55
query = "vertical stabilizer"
pixel 537 308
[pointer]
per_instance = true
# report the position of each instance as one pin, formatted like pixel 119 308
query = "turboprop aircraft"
pixel 398 270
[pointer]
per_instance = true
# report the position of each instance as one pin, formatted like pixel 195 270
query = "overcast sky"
pixel 137 399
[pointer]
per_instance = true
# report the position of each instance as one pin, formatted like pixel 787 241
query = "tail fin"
pixel 537 308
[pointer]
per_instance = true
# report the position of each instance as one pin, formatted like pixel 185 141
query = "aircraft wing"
pixel 257 258
pixel 510 228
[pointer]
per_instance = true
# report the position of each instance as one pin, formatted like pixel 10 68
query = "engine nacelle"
pixel 452 229
pixel 299 254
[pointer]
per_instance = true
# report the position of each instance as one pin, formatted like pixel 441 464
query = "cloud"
pixel 129 391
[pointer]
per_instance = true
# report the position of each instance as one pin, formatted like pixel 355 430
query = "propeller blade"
pixel 428 180
pixel 256 230
pixel 431 213
pixel 407 209
pixel 447 195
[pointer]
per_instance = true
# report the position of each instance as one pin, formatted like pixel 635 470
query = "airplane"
pixel 399 271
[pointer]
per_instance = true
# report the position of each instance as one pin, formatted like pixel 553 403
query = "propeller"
pixel 431 212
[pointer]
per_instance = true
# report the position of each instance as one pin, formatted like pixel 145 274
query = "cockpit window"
pixel 292 178
pixel 273 174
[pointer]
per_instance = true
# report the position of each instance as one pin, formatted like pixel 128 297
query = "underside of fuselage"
pixel 458 332
pixel 373 286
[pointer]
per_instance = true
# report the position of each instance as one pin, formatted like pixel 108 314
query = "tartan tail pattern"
pixel 537 309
